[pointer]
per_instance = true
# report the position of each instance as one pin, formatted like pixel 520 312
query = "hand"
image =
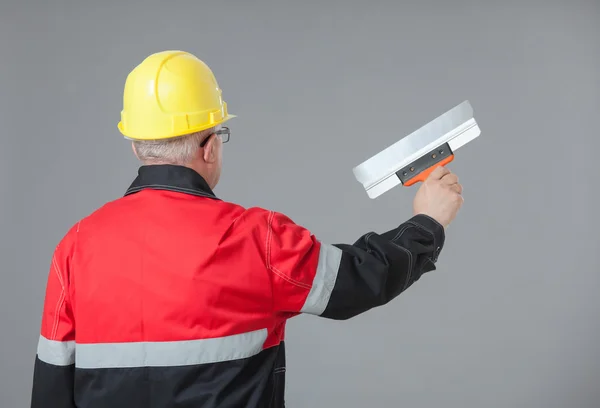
pixel 439 197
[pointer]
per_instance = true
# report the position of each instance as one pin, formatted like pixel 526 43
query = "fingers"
pixel 450 179
pixel 457 188
pixel 438 173
pixel 445 175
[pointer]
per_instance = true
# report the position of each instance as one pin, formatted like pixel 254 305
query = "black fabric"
pixel 52 386
pixel 378 267
pixel 255 382
pixel 170 177
pixel 373 271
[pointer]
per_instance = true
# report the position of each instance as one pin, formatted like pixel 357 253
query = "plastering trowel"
pixel 412 158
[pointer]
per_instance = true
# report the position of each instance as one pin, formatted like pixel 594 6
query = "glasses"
pixel 223 133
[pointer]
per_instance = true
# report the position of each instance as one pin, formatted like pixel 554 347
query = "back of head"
pixel 181 150
pixel 171 103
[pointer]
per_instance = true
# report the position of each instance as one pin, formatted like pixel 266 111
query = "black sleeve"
pixel 378 267
pixel 52 385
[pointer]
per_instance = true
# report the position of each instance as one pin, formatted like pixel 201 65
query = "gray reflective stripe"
pixel 324 281
pixel 59 353
pixel 170 353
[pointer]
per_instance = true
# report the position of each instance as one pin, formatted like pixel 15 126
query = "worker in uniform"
pixel 170 296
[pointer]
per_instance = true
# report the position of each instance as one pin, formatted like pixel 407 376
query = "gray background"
pixel 510 319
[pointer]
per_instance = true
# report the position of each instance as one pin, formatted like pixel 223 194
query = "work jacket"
pixel 171 297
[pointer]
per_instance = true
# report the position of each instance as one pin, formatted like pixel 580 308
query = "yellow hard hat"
pixel 171 93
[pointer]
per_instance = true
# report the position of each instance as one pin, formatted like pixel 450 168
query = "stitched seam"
pixel 61 299
pixel 268 260
pixel 58 272
pixel 410 270
pixel 433 237
pixel 422 228
pixel 402 231
pixel 70 272
pixel 168 187
pixel 290 280
pixel 410 255
pixel 268 241
pixel 59 304
pixel 410 265
pixel 171 188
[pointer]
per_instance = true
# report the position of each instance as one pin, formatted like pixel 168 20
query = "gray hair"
pixel 178 150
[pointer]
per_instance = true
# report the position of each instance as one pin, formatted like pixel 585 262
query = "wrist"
pixel 430 217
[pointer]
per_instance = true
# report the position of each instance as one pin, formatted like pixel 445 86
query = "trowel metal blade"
pixel 413 157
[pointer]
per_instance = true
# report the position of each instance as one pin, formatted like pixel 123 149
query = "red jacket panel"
pixel 172 297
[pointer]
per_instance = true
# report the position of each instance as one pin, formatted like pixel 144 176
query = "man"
pixel 172 297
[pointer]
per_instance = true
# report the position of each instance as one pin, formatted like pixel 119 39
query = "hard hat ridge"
pixel 169 94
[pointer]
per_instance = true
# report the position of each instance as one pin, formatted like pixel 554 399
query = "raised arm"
pixel 339 281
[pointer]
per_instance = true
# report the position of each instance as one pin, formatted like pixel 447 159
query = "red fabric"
pixel 293 254
pixel 163 266
pixel 57 316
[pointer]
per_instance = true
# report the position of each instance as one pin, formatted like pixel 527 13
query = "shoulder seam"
pixel 268 256
pixel 61 298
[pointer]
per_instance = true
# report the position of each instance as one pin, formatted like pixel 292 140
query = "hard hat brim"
pixel 172 135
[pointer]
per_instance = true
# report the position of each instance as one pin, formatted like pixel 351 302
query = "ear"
pixel 134 151
pixel 210 153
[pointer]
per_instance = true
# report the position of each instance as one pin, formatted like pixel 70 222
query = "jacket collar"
pixel 170 177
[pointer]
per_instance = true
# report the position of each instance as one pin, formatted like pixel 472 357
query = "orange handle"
pixel 422 176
